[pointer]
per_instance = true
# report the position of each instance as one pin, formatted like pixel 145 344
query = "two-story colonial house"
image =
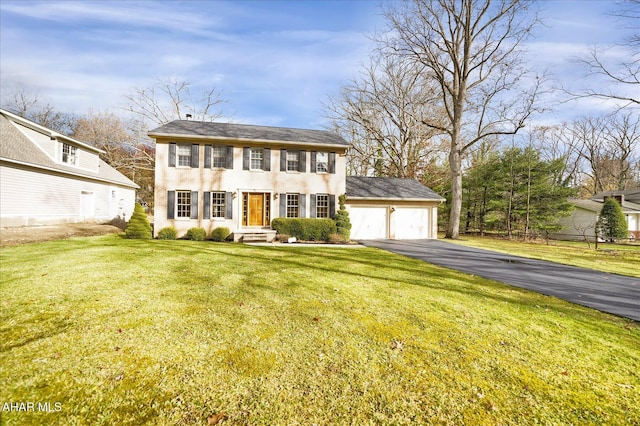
pixel 240 176
pixel 49 178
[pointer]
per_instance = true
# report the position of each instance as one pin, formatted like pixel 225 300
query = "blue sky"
pixel 276 62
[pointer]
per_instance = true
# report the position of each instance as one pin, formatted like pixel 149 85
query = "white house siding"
pixel 239 181
pixel 42 141
pixel 36 197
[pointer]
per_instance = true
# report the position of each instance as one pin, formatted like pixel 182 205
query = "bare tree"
pixel 609 146
pixel 471 50
pixel 28 105
pixel 171 99
pixel 624 75
pixel 380 114
pixel 122 149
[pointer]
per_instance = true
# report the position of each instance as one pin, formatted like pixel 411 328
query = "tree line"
pixel 447 97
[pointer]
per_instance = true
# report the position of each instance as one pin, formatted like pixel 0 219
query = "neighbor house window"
pixel 184 155
pixel 293 205
pixel 293 161
pixel 183 204
pixel 257 159
pixel 69 154
pixel 219 157
pixel 322 205
pixel 218 204
pixel 322 162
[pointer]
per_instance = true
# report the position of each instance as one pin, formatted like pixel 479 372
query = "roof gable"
pixel 244 132
pixel 18 148
pixel 384 188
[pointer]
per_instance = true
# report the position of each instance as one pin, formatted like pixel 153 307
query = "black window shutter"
pixel 195 163
pixel 332 206
pixel 302 165
pixel 194 204
pixel 171 204
pixel 332 162
pixel 206 205
pixel 228 203
pixel 246 156
pixel 267 159
pixel 302 205
pixel 283 205
pixel 172 155
pixel 283 160
pixel 314 211
pixel 207 156
pixel 313 162
pixel 229 157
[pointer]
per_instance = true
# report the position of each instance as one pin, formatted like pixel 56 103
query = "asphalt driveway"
pixel 615 294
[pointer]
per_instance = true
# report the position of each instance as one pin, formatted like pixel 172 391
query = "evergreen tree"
pixel 343 224
pixel 612 223
pixel 138 226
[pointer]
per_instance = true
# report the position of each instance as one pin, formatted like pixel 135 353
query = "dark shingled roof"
pixel 389 188
pixel 232 131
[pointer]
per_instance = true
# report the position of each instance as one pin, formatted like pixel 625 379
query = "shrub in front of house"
pixel 168 233
pixel 196 234
pixel 221 233
pixel 304 228
pixel 138 226
pixel 343 223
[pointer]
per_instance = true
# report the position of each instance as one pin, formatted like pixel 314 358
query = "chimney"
pixel 188 116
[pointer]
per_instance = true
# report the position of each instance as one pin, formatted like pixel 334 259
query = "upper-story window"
pixel 257 159
pixel 184 155
pixel 322 162
pixel 69 154
pixel 219 156
pixel 293 161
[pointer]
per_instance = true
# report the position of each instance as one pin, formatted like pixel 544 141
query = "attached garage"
pixel 395 208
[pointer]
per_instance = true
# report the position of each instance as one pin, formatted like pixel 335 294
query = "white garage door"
pixel 368 223
pixel 411 223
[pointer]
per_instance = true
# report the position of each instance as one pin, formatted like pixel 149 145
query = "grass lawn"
pixel 621 259
pixel 177 332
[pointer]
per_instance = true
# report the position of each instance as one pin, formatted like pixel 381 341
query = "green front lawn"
pixel 176 332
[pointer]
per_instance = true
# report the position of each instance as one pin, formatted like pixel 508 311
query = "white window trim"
pixel 251 151
pixel 177 210
pixel 186 147
pixel 318 162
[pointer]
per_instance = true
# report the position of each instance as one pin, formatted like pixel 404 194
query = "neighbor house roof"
pixel 17 148
pixel 243 132
pixel 596 206
pixel 632 195
pixel 384 188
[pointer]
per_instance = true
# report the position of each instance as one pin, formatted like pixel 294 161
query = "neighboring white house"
pixel 49 178
pixel 582 221
pixel 238 176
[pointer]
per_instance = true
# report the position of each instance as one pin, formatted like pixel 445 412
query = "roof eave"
pixel 393 199
pixel 244 140
pixel 67 172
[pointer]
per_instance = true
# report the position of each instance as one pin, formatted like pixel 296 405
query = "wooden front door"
pixel 256 209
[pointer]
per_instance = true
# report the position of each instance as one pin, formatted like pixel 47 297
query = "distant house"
pixel 239 176
pixel 49 178
pixel 582 221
